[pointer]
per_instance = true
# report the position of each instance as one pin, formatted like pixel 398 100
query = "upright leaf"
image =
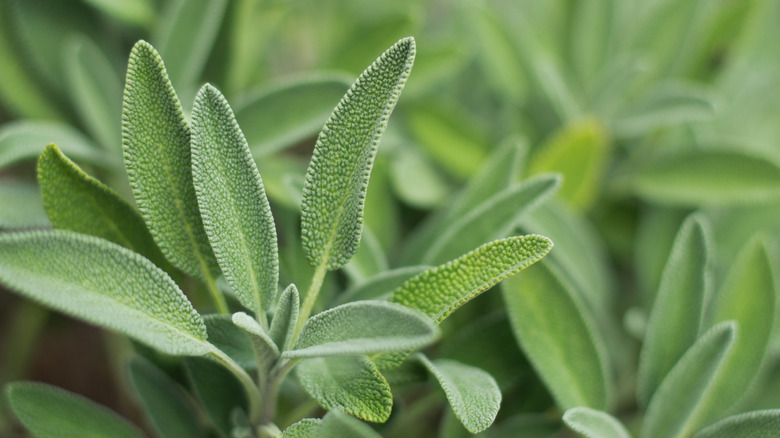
pixel 265 350
pixel 756 424
pixel 594 424
pixel 335 187
pixel 285 318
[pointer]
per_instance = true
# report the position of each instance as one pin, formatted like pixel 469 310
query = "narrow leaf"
pixel 381 285
pixel 233 204
pixel 594 424
pixel 217 390
pixel 48 411
pixel 105 284
pixel 22 206
pixel 266 351
pixel 363 327
pixel 335 187
pixel 230 339
pixel 756 424
pixel 285 318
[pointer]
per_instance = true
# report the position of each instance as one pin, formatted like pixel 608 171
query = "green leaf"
pixel 156 142
pixel 708 178
pixel 594 424
pixel 232 202
pixel 676 408
pixel 557 333
pixel 77 202
pixel 165 404
pixel 473 394
pixel 230 339
pixel 381 285
pixel 217 390
pixel 47 411
pixel 756 424
pixel 22 206
pixel 285 318
pixel 105 284
pixel 675 320
pixel 351 384
pixel 363 327
pixel 416 180
pixel 265 350
pixel 369 260
pixel 441 290
pixel 136 12
pixel 306 428
pixel 335 187
pixel 288 112
pixel 338 425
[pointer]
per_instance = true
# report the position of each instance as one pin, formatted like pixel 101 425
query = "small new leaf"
pixel 285 318
pixel 266 351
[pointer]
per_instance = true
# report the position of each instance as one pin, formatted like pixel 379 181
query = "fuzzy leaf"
pixel 675 320
pixel 105 284
pixel 306 428
pixel 335 187
pixel 229 338
pixel 473 394
pixel 351 384
pixel 156 141
pixel 232 202
pixel 594 424
pixel 47 411
pixel 441 290
pixel 285 318
pixel 266 351
pixel 363 327
pixel 334 425
pixel 22 206
pixel 381 285
pixel 217 390
pixel 756 424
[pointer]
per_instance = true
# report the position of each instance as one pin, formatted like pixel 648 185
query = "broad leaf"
pixel 230 339
pixel 363 327
pixel 335 187
pixel 351 384
pixel 232 202
pixel 105 284
pixel 47 411
pixel 381 285
pixel 756 424
pixel 594 424
pixel 22 206
pixel 285 318
pixel 558 334
pixel 217 390
pixel 473 394
pixel 265 350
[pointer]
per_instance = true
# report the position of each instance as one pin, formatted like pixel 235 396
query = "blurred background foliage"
pixel 649 109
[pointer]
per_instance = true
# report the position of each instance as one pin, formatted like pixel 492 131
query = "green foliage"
pixel 591 423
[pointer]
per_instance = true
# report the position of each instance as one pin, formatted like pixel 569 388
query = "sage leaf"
pixel 369 259
pixel 441 290
pixel 136 12
pixel 335 187
pixel 165 404
pixel 306 428
pixel 756 424
pixel 22 206
pixel 668 104
pixel 105 284
pixel 559 337
pixel 676 408
pixel 217 390
pixel 363 327
pixel 676 317
pixel 338 425
pixel 594 424
pixel 473 394
pixel 351 384
pixel 230 339
pixel 285 318
pixel 156 141
pixel 49 411
pixel 233 204
pixel 265 350
pixel 380 286
pixel 416 179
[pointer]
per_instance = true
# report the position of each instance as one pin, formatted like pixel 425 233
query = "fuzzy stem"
pixel 311 297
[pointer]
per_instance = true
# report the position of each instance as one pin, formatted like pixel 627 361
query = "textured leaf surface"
pixel 22 206
pixel 285 318
pixel 156 141
pixel 558 335
pixel 473 394
pixel 232 201
pixel 594 424
pixel 47 411
pixel 229 338
pixel 441 290
pixel 351 384
pixel 756 424
pixel 217 390
pixel 335 187
pixel 266 351
pixel 306 428
pixel 676 317
pixel 363 327
pixel 104 284
pixel 381 285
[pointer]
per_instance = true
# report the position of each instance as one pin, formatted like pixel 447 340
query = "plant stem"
pixel 252 393
pixel 311 297
pixel 216 294
pixel 271 389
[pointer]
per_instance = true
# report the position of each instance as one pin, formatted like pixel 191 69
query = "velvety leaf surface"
pixel 591 423
pixel 22 206
pixel 265 350
pixel 233 204
pixel 217 390
pixel 229 338
pixel 338 425
pixel 47 411
pixel 285 318
pixel 306 428
pixel 335 187
pixel 104 284
pixel 756 424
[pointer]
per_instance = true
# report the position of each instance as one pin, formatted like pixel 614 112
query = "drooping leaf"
pixel 675 320
pixel 231 197
pixel 558 335
pixel 363 327
pixel 351 384
pixel 105 284
pixel 473 394
pixel 335 186
pixel 47 411
pixel 266 351
pixel 285 318
pixel 594 424
pixel 230 339
pixel 217 390
pixel 756 424
pixel 381 285
pixel 22 206
pixel 165 404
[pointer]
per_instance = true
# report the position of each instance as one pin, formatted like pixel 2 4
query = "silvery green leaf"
pixel 369 260
pixel 335 187
pixel 363 327
pixel 218 391
pixel 756 424
pixel 473 394
pixel 265 350
pixel 47 411
pixel 230 339
pixel 170 410
pixel 231 197
pixel 135 12
pixel 285 318
pixel 351 384
pixel 305 428
pixel 156 141
pixel 22 206
pixel 675 320
pixel 381 285
pixel 334 425
pixel 558 335
pixel 676 408
pixel 591 423
pixel 105 284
